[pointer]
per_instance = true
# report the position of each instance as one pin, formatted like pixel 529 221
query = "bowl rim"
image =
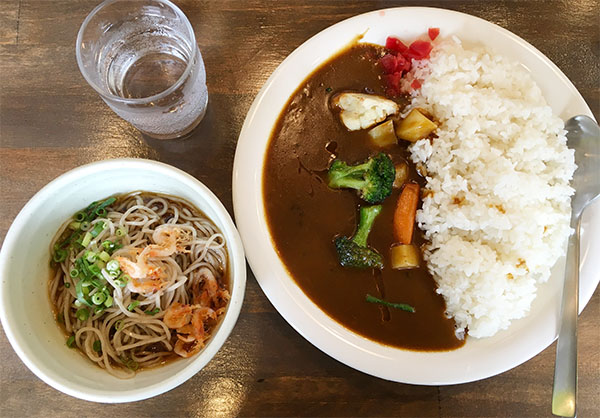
pixel 302 316
pixel 106 93
pixel 237 266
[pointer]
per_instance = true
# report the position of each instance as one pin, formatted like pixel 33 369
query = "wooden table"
pixel 52 121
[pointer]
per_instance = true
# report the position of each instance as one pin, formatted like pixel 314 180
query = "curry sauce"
pixel 304 215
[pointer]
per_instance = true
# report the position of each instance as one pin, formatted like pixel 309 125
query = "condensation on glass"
pixel 142 58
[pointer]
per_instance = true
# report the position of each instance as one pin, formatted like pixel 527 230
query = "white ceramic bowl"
pixel 24 272
pixel 479 358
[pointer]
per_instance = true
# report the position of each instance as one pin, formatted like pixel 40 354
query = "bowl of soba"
pixel 120 280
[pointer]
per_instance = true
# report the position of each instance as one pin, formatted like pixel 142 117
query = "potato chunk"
pixel 405 256
pixel 415 126
pixel 401 175
pixel 383 135
pixel 361 111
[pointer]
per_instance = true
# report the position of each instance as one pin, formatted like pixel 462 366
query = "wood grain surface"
pixel 52 121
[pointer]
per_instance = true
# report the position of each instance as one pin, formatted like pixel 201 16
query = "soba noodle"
pixel 139 304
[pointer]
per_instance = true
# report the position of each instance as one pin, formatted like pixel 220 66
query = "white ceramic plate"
pixel 478 359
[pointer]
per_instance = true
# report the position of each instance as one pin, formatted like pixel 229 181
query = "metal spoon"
pixel 583 135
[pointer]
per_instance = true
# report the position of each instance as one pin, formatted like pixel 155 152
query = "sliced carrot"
pixel 404 215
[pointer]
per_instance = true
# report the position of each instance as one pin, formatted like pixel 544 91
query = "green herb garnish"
pixel 152 312
pixel 71 341
pixel 133 305
pixel 402 306
pixel 129 363
pixel 82 314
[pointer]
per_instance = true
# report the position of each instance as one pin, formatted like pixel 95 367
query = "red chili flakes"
pixel 433 33
pixel 416 84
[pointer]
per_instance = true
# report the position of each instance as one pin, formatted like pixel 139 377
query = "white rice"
pixel 497 201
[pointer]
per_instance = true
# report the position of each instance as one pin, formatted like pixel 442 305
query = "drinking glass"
pixel 142 58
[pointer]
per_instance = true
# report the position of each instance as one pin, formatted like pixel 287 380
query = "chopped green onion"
pixel 402 306
pixel 99 309
pixel 100 264
pixel 104 256
pixel 89 211
pixel 94 269
pixel 86 239
pixel 85 225
pixel 109 301
pixel 99 227
pixel 116 247
pixel 112 265
pixel 82 314
pixel 98 298
pixel 97 346
pixel 80 265
pixel 75 225
pixel 71 341
pixel 74 273
pixel 60 318
pixel 121 231
pixel 90 256
pixel 59 256
pixel 133 305
pixel 106 203
pixel 97 283
pixel 122 281
pixel 68 242
pixel 132 365
pixel 79 216
pixel 152 312
pixel 119 324
pixel 67 285
pixel 79 290
pixel 114 274
pixel 96 209
pixel 77 304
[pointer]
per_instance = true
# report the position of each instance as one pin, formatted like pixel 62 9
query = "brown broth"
pixel 304 215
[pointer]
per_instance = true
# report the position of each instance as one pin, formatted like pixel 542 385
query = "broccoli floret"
pixel 372 179
pixel 354 252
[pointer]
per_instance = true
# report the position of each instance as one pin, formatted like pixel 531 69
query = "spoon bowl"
pixel 583 135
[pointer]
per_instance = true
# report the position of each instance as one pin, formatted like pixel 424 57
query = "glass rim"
pixel 105 93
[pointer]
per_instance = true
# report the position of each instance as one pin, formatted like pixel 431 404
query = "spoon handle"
pixel 564 392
